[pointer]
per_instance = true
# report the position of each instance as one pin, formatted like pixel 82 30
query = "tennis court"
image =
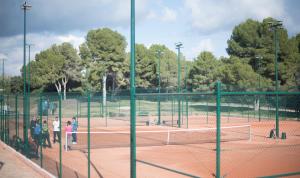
pixel 171 152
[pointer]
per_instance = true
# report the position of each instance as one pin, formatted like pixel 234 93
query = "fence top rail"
pixel 261 93
pixel 174 94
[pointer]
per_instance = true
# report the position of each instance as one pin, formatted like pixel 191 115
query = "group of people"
pixel 40 132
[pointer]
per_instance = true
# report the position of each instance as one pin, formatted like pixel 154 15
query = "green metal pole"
pixel 25 7
pixel 259 116
pixel 172 106
pixel 207 110
pixel 28 83
pixel 187 113
pixel 218 134
pixel 276 80
pixel 132 94
pixel 1 126
pixel 2 119
pixel 17 115
pixel 178 46
pixel 40 141
pixel 60 134
pixel 7 116
pixel 3 112
pixel 1 123
pixel 186 101
pixel 77 107
pixel 89 134
pixel 159 56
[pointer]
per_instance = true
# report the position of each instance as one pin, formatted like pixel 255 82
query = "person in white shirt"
pixel 56 130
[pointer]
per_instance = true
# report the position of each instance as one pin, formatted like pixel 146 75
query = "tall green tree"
pixel 236 74
pixel 204 72
pixel 57 65
pixel 253 42
pixel 104 54
pixel 168 65
pixel 145 67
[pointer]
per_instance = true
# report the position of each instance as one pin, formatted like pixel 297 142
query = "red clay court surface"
pixel 261 156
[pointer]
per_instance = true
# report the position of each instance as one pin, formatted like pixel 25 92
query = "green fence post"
pixel 1 119
pixel 187 112
pixel 17 115
pixel 259 113
pixel 40 140
pixel 248 112
pixel 207 110
pixel 77 108
pixel 132 94
pixel 218 134
pixel 228 111
pixel 119 106
pixel 6 116
pixel 60 134
pixel 89 130
pixel 172 110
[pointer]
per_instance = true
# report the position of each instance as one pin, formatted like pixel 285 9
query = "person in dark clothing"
pixel 37 136
pixel 32 126
pixel 46 135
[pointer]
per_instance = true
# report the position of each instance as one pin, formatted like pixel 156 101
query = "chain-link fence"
pixel 215 133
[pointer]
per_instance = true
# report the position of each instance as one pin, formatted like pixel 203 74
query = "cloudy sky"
pixel 198 24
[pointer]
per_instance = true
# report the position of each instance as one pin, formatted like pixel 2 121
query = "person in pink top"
pixel 68 131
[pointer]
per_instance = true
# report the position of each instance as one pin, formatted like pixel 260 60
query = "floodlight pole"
pixel 158 106
pixel 178 46
pixel 28 79
pixel 25 7
pixel 3 124
pixel 132 94
pixel 275 26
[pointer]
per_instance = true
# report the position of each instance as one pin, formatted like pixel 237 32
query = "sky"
pixel 199 24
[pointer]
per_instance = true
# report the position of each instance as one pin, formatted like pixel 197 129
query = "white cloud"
pixel 203 45
pixel 169 15
pixel 11 48
pixel 207 15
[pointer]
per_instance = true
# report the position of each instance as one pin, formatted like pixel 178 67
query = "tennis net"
pixel 157 137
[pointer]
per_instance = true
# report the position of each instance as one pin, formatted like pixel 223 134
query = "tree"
pixel 204 72
pixel 168 65
pixel 238 75
pixel 145 67
pixel 104 55
pixel 16 84
pixel 252 39
pixel 56 65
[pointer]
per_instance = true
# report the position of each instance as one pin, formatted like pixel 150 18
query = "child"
pixel 56 130
pixel 68 131
pixel 37 136
pixel 32 126
pixel 46 134
pixel 74 130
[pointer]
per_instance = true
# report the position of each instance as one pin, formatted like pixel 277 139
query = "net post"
pixel 218 133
